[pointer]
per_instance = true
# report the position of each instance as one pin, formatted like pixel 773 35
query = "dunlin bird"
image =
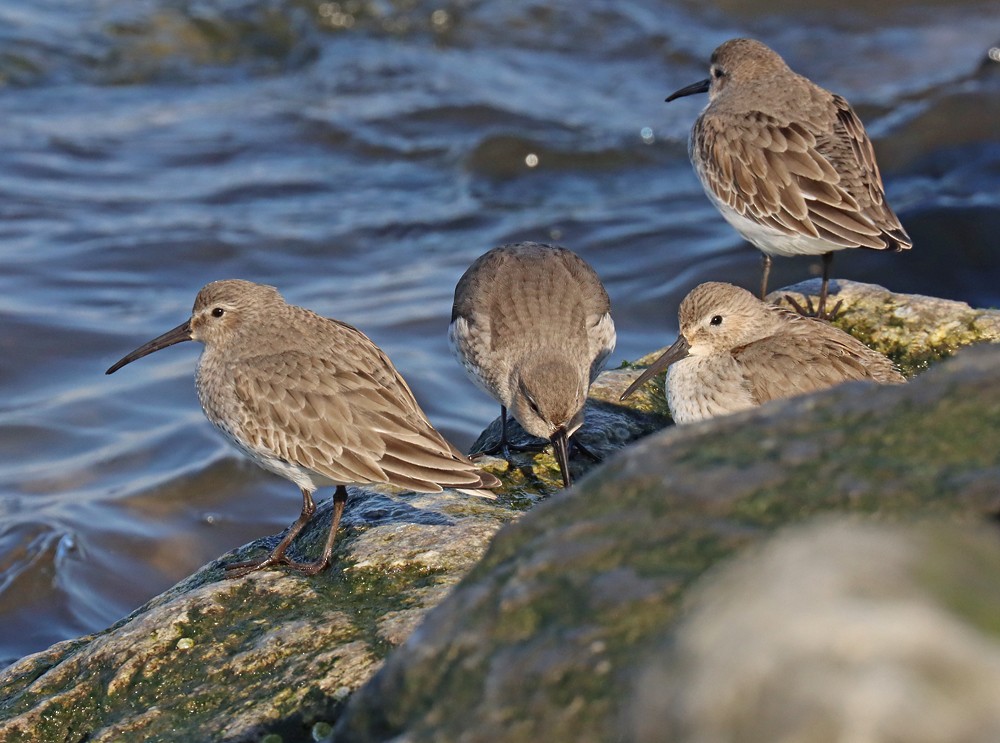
pixel 531 324
pixel 736 352
pixel 312 400
pixel 787 163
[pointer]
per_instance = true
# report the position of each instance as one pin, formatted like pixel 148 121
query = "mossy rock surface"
pixel 275 652
pixel 538 640
pixel 911 329
pixel 543 639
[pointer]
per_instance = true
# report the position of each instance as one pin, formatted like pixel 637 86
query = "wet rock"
pixel 911 329
pixel 276 653
pixel 144 44
pixel 545 638
pixel 542 639
pixel 609 425
pixel 218 659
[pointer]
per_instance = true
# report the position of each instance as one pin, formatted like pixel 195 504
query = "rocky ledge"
pixel 564 625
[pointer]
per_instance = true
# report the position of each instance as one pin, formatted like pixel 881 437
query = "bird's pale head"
pixel 549 395
pixel 742 61
pixel 224 309
pixel 716 317
pixel 221 311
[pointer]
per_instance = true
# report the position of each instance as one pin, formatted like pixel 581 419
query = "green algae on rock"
pixel 911 329
pixel 609 426
pixel 275 653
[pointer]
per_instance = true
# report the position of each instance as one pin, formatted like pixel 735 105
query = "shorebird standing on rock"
pixel 532 327
pixel 787 163
pixel 312 400
pixel 736 352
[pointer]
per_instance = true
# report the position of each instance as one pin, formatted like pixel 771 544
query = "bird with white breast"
pixel 736 352
pixel 788 163
pixel 312 400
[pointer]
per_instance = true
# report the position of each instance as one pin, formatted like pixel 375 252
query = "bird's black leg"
pixel 819 311
pixel 765 266
pixel 277 556
pixel 500 448
pixel 312 568
pixel 578 445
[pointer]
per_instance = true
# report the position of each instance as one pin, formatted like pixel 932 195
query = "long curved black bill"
pixel 560 446
pixel 701 86
pixel 178 335
pixel 675 353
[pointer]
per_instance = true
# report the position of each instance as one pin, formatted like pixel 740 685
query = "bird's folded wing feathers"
pixel 349 423
pixel 786 177
pixel 799 364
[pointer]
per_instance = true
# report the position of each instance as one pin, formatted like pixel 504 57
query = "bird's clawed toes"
pixel 309 568
pixel 239 569
pixel 811 310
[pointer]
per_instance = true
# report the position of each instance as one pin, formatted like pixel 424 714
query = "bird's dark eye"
pixel 218 312
pixel 717 72
pixel 716 320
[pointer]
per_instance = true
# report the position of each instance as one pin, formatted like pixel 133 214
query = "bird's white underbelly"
pixel 768 239
pixel 698 388
pixel 303 477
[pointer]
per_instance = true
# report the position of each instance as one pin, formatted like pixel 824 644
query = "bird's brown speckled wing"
pixel 530 292
pixel 350 418
pixel 816 176
pixel 526 296
pixel 814 358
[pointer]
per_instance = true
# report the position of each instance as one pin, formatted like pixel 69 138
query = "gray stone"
pixel 843 630
pixel 216 659
pixel 543 640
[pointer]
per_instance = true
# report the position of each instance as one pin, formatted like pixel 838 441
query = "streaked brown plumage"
pixel 736 352
pixel 787 163
pixel 532 327
pixel 313 400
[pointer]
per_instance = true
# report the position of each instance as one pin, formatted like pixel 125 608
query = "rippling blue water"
pixel 359 155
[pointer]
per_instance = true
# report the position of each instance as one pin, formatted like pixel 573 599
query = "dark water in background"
pixel 359 155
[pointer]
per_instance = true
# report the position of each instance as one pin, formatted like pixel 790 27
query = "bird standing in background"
pixel 787 163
